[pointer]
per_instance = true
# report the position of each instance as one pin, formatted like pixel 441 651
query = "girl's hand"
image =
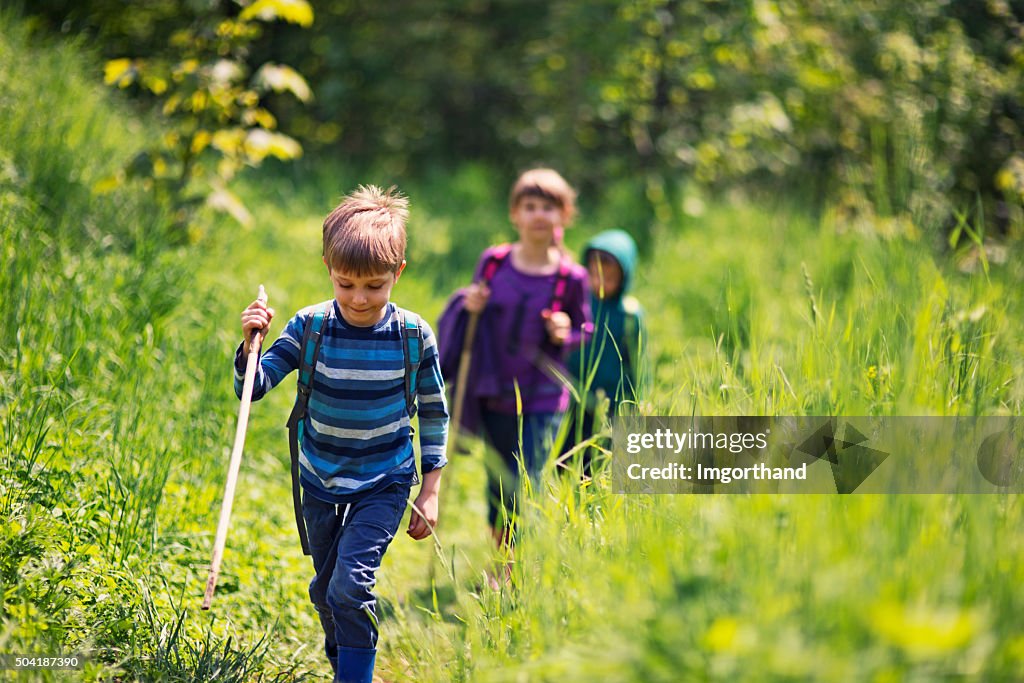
pixel 558 325
pixel 256 317
pixel 477 295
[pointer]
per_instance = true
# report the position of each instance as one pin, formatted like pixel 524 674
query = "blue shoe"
pixel 355 665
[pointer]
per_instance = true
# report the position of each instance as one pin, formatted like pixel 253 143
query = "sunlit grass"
pixel 99 408
pixel 117 410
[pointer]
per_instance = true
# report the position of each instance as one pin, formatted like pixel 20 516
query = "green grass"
pixel 101 411
pixel 117 415
pixel 718 588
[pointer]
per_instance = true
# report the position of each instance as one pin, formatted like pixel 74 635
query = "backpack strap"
pixel 494 261
pixel 309 351
pixel 412 348
pixel 561 283
pixel 501 253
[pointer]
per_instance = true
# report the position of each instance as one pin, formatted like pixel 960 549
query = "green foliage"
pixel 214 105
pixel 637 589
pixel 885 113
pixel 91 425
pixel 764 310
pixel 116 410
pixel 890 112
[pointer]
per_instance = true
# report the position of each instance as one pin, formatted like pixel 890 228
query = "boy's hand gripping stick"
pixel 236 459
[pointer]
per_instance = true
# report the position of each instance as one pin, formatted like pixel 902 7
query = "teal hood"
pixel 610 359
pixel 619 244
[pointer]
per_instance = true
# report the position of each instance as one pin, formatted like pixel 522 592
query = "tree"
pixel 212 100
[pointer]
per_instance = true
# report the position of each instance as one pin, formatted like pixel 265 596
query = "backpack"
pixel 452 327
pixel 450 335
pixel 501 252
pixel 309 351
pixel 499 255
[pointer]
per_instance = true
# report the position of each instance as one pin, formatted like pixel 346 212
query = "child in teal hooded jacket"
pixel 611 360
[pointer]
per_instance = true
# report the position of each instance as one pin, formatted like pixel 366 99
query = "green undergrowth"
pixel 117 416
pixel 759 311
pixel 105 418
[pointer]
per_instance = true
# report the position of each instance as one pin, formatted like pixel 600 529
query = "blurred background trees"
pixel 890 116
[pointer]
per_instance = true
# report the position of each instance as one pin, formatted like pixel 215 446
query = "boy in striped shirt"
pixel 356 458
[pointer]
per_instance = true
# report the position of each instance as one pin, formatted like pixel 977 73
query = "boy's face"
pixel 605 274
pixel 363 298
pixel 536 219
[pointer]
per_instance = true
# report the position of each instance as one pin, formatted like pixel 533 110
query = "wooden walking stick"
pixel 465 359
pixel 236 460
pixel 491 266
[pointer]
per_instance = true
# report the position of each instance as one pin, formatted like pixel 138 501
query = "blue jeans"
pixel 347 543
pixel 503 478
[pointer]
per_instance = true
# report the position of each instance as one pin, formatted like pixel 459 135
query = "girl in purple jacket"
pixel 533 304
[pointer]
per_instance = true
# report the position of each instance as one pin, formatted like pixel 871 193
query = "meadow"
pixel 117 415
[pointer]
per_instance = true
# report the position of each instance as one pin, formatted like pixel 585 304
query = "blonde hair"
pixel 365 234
pixel 547 184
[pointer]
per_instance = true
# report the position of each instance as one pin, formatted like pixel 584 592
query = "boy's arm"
pixel 433 414
pixel 432 407
pixel 281 358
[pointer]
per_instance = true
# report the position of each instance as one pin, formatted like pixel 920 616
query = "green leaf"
pixel 228 140
pixel 260 143
pixel 119 72
pixel 279 78
pixel 226 71
pixel 294 11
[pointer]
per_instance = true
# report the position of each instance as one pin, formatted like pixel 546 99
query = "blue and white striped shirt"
pixel 356 433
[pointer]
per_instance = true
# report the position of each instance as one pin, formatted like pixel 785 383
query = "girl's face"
pixel 536 219
pixel 605 274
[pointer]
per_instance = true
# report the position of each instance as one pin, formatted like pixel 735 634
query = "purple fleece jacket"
pixel 512 343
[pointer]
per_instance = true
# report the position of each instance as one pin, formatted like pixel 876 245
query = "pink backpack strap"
pixel 494 261
pixel 561 282
pixel 500 253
